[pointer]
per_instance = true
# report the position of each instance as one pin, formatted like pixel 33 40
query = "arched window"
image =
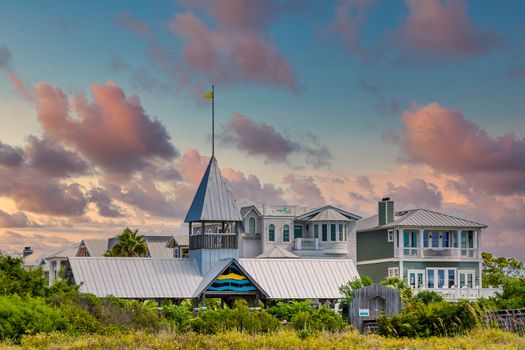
pixel 251 226
pixel 271 233
pixel 286 233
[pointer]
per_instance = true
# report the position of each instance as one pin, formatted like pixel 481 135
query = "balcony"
pixel 306 244
pixel 455 294
pixel 445 253
pixel 214 241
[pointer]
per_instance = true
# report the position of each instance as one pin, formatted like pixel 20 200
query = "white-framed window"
pixel 390 235
pixel 393 272
pixel 251 226
pixel 441 277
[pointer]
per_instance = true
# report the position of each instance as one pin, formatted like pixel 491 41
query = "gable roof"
pixel 301 278
pixel 64 252
pixel 178 240
pixel 159 250
pixel 329 214
pixel 217 270
pixel 95 247
pixel 419 218
pixel 277 252
pixel 309 215
pixel 246 210
pixel 136 278
pixel 213 200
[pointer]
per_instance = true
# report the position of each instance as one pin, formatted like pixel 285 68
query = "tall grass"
pixel 478 339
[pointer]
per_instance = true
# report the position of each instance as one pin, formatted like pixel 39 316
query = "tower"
pixel 213 220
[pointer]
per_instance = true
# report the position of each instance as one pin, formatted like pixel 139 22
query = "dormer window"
pixel 251 226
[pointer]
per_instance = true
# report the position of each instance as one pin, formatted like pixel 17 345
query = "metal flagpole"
pixel 212 120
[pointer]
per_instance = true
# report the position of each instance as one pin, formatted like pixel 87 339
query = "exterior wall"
pixel 250 247
pixel 352 241
pixel 373 245
pixel 279 223
pixel 207 258
pixel 376 271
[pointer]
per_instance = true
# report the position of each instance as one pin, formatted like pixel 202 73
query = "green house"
pixel 429 250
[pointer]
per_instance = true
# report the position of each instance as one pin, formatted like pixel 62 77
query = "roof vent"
pixel 27 251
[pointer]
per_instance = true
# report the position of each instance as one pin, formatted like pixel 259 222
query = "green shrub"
pixel 14 279
pixel 285 311
pixel 428 296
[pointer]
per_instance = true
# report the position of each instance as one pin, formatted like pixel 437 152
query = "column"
pixel 420 244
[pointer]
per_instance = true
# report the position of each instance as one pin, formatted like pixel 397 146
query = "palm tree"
pixel 129 244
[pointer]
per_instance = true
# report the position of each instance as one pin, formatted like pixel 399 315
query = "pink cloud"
pixel 113 132
pixel 18 219
pixel 304 190
pixel 442 27
pixel 416 193
pixel 448 142
pixel 248 188
pixel 20 87
pixel 261 139
pixel 237 48
pixel 192 165
pixel 127 20
pixel 350 16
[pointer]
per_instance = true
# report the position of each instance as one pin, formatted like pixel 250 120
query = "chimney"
pixel 27 251
pixel 385 211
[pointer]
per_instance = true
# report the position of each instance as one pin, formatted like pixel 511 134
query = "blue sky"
pixel 465 56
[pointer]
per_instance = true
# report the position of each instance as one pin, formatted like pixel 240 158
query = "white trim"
pixel 377 261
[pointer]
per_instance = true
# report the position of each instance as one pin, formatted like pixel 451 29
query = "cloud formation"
pixel 10 156
pixel 248 188
pixel 18 219
pixel 442 28
pixel 448 142
pixel 20 87
pixel 113 132
pixel 261 139
pixel 416 193
pixel 237 48
pixel 304 190
pixel 5 57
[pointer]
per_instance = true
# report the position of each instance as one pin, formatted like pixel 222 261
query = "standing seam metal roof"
pixel 213 200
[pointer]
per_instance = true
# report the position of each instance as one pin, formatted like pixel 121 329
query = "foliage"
pixel 347 289
pixel 14 279
pixel 437 318
pixel 497 270
pixel 401 285
pixel 285 311
pixel 428 296
pixel 513 296
pixel 129 244
pixel 285 340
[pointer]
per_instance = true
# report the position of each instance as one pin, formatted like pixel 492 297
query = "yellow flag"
pixel 208 95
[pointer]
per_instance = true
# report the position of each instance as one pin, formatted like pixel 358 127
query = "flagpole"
pixel 212 121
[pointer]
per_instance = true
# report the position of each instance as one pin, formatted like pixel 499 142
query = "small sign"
pixel 364 313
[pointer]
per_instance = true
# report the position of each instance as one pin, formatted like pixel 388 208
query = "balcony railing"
pixel 306 244
pixel 214 241
pixel 437 252
pixel 455 294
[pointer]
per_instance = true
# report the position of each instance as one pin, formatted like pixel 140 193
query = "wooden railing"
pixel 214 241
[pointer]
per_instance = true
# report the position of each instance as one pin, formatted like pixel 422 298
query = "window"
pixel 435 240
pixel 390 235
pixel 271 233
pixel 439 277
pixel 426 237
pixel 251 226
pixel 341 232
pixel 286 233
pixel 333 236
pixel 298 231
pixel 316 231
pixel 324 228
pixel 393 272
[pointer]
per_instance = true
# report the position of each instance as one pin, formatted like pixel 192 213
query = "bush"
pixel 14 279
pixel 285 311
pixel 432 319
pixel 427 297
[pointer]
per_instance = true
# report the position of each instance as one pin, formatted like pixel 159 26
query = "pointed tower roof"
pixel 213 200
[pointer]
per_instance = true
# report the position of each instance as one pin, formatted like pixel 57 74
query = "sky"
pixel 316 102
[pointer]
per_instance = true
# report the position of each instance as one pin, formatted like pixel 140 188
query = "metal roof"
pixel 277 252
pixel 301 278
pixel 419 218
pixel 159 250
pixel 213 200
pixel 136 278
pixel 307 216
pixel 96 247
pixel 178 240
pixel 64 252
pixel 329 214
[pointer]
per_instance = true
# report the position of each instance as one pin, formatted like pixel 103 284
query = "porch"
pixel 456 294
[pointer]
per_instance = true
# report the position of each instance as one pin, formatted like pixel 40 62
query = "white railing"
pixel 455 294
pixel 438 252
pixel 306 244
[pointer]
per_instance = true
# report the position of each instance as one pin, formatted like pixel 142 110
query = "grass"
pixel 478 339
